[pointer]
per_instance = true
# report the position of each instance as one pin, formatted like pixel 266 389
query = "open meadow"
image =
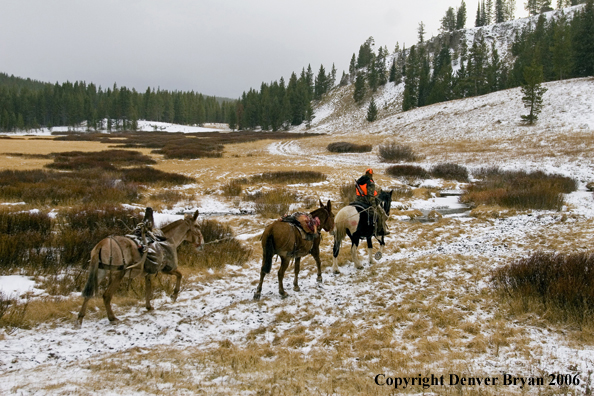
pixel 480 276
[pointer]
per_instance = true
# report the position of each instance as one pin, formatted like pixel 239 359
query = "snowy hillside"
pixel 568 106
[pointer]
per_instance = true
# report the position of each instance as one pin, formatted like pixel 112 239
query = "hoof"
pixel 284 295
pixel 319 279
pixel 149 308
pixel 337 272
pixel 296 288
pixel 78 324
pixel 114 321
pixel 256 296
pixel 174 298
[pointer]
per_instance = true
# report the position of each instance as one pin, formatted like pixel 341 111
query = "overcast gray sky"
pixel 216 47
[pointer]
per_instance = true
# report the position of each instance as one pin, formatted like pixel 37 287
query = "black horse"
pixel 357 222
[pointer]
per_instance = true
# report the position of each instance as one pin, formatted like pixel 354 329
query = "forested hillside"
pixel 27 104
pixel 498 53
pixel 458 63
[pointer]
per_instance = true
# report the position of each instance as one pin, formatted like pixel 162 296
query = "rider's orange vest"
pixel 363 188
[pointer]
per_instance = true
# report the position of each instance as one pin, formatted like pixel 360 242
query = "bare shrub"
pixel 348 193
pixel 179 145
pixel 519 189
pixel 220 248
pixel 346 147
pixel 407 171
pixel 392 152
pixel 560 282
pixel 289 177
pixel 107 159
pixel 170 197
pixel 60 188
pixel 25 240
pixel 273 203
pixel 15 315
pixel 151 175
pixel 450 171
pixel 234 187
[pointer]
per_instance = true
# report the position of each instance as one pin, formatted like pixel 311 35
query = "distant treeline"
pixel 27 104
pixel 278 105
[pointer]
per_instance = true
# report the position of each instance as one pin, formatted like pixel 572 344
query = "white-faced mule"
pixel 119 256
pixel 286 240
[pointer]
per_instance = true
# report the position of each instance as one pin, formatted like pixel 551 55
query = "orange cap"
pixel 369 170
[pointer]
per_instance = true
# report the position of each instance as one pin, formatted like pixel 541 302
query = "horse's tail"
pixel 93 282
pixel 339 234
pixel 267 250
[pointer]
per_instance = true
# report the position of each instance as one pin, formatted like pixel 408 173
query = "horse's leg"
pixel 370 250
pixel 148 291
pixel 178 276
pixel 335 252
pixel 296 280
pixel 315 252
pixel 259 288
pixel 111 289
pixel 382 244
pixel 281 274
pixel 354 252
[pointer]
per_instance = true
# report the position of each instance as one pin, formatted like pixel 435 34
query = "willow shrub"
pixel 519 189
pixel 561 283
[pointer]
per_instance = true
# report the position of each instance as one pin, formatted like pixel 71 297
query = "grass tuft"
pixel 450 171
pixel 562 283
pixel 346 147
pixel 393 152
pixel 519 189
pixel 407 171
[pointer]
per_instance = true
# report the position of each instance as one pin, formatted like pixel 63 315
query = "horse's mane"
pixel 318 211
pixel 169 226
pixel 384 195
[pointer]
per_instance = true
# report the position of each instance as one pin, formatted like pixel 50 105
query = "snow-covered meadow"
pixel 429 299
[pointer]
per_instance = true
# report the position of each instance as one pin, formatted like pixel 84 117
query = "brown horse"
pixel 120 254
pixel 285 239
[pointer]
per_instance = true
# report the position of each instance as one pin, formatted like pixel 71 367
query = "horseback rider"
pixel 367 193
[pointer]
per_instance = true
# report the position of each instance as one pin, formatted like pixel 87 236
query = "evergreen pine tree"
pixel 372 111
pixel 352 68
pixel 448 22
pixel 499 11
pixel 372 76
pixel 533 92
pixel 321 83
pixel 510 8
pixel 561 49
pixel 461 16
pixel 583 41
pixel 488 12
pixel 380 66
pixel 421 32
pixel 478 20
pixel 411 81
pixel 359 93
pixel 392 77
pixel 332 79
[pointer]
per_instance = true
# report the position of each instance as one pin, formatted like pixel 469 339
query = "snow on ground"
pixel 568 106
pixel 143 125
pixel 222 309
pixel 16 286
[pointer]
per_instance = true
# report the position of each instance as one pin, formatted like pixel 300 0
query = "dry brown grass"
pixel 423 321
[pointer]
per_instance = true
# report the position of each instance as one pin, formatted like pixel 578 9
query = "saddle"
pixel 299 220
pixel 365 206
